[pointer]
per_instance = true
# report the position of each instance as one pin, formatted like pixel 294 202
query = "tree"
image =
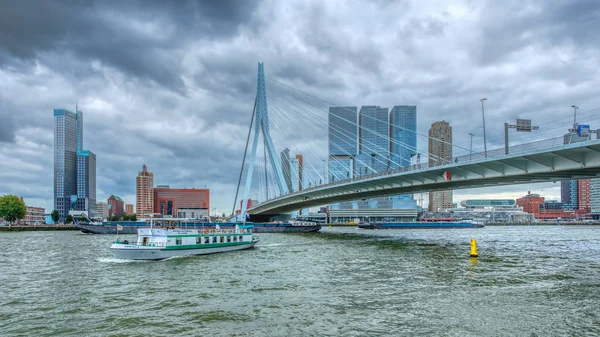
pixel 69 219
pixel 12 208
pixel 55 216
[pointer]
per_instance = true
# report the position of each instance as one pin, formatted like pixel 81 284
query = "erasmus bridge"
pixel 301 121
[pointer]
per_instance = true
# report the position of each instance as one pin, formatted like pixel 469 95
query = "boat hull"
pixel 258 228
pixel 414 225
pixel 134 252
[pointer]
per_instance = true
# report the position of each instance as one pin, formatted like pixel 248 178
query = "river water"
pixel 528 281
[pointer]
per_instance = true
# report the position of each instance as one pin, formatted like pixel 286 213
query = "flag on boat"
pixel 119 227
pixel 447 175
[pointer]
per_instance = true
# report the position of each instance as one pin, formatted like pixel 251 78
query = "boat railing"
pixel 225 231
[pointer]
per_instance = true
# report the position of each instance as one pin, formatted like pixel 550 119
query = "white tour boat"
pixel 156 243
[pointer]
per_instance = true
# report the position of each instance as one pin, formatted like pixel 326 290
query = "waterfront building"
pixel 403 130
pixel 300 160
pixel 129 209
pixel 373 141
pixel 115 206
pixel 66 138
pixel 487 210
pixel 575 194
pixel 101 210
pixel 285 168
pixel 342 142
pixel 535 204
pixel 144 195
pixel 74 167
pixel 440 153
pixel 167 201
pixel 192 213
pixel 86 182
pixel 34 216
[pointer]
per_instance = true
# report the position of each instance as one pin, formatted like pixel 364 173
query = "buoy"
pixel 474 248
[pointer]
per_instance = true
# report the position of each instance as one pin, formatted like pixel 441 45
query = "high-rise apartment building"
pixel 440 153
pixel 129 209
pixel 342 139
pixel 144 195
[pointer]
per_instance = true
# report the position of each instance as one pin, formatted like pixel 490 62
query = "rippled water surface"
pixel 528 281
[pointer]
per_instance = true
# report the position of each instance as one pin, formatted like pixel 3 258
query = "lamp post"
pixel 483 117
pixel 471 146
pixel 575 107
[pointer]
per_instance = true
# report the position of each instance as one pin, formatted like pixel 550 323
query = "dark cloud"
pixel 171 84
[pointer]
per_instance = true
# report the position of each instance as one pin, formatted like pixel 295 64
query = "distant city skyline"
pixel 184 110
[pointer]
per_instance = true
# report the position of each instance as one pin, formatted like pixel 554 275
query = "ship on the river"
pixel 157 243
pixel 131 227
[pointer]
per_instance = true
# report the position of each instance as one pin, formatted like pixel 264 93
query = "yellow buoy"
pixel 474 248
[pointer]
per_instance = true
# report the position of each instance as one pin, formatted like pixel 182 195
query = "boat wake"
pixel 115 260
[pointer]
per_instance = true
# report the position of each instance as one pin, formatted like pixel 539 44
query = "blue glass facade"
pixel 86 182
pixel 74 168
pixel 373 138
pixel 569 192
pixel 340 169
pixel 65 160
pixel 342 131
pixel 403 130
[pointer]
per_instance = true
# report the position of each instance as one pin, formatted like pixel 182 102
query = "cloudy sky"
pixel 171 84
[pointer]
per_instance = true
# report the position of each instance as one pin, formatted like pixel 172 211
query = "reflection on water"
pixel 341 281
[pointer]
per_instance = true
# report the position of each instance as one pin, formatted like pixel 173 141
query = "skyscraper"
pixel 67 137
pixel 373 140
pixel 74 167
pixel 86 182
pixel 285 167
pixel 343 137
pixel 144 196
pixel 440 152
pixel 403 132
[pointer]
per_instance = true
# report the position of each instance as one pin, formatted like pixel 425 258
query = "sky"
pixel 171 84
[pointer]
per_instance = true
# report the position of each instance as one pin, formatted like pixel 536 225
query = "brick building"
pixel 116 206
pixel 167 201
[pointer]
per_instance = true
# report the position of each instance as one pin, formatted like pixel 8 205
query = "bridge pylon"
pixel 261 126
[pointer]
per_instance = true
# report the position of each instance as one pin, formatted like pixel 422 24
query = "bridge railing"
pixel 468 158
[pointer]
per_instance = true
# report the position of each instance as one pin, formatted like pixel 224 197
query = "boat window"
pixel 214 239
pixel 228 238
pixel 178 241
pixel 145 241
pixel 198 240
pixel 235 239
pixel 241 239
pixel 222 239
pixel 206 239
